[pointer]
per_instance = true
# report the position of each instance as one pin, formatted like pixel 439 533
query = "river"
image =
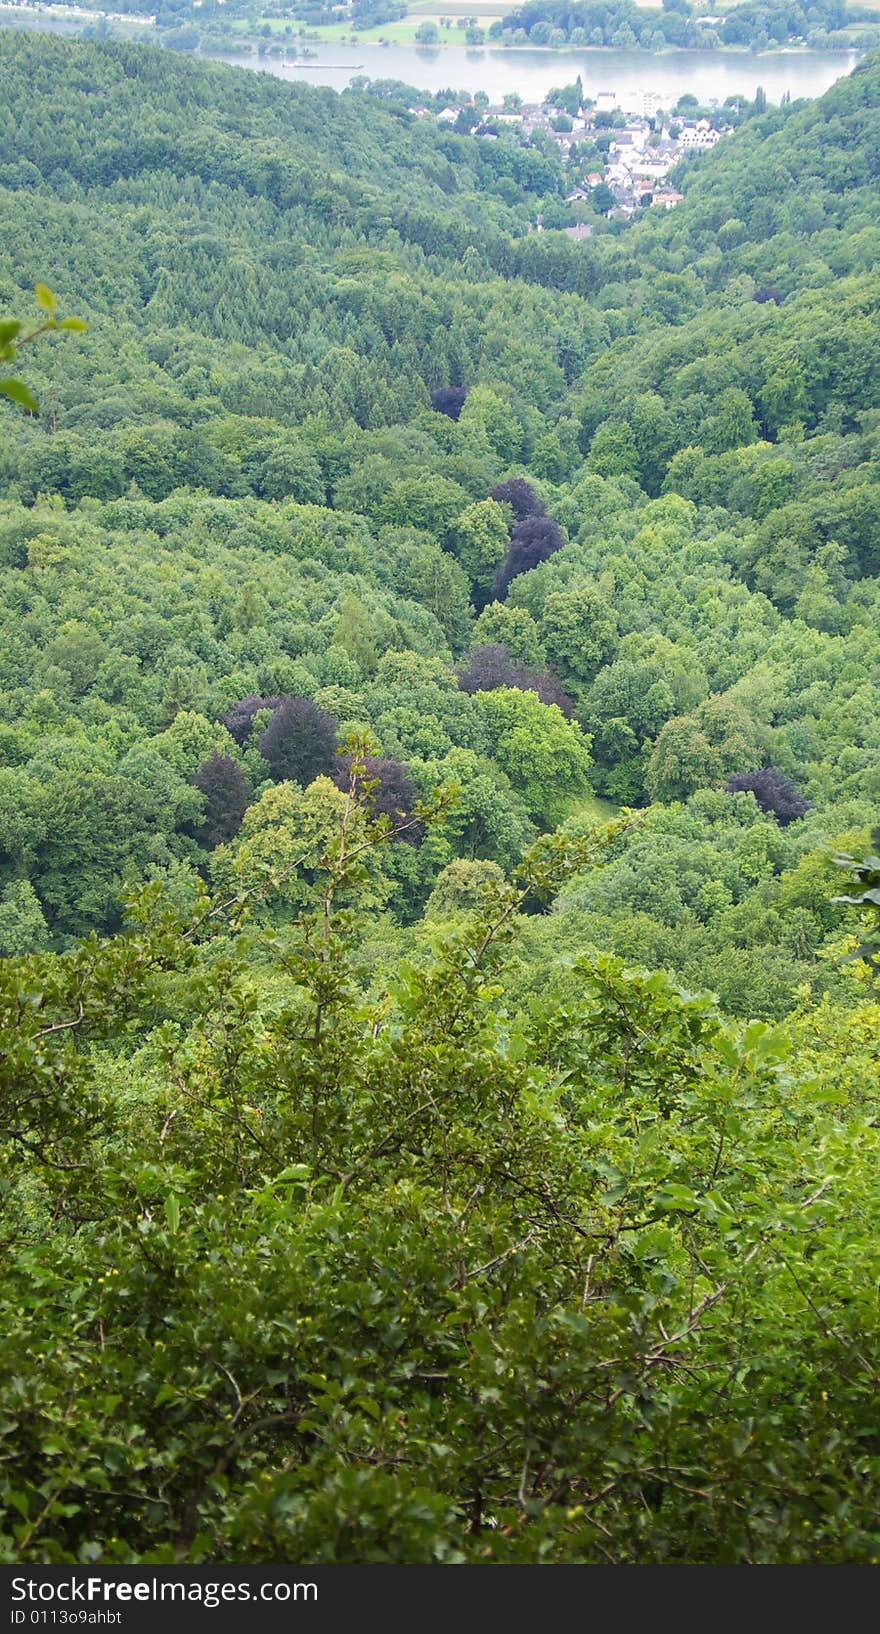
pixel 707 74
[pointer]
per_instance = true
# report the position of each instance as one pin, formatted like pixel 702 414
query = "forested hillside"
pixel 756 23
pixel 434 653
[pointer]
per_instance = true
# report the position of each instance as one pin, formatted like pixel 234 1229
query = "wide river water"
pixel 707 74
pixel 532 73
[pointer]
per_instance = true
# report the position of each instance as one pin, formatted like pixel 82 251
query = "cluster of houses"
pixel 639 162
pixel 639 158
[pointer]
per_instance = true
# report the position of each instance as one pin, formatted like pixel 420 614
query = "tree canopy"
pixel 439 755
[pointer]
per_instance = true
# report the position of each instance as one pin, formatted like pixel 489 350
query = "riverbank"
pixel 239 35
pixel 274 32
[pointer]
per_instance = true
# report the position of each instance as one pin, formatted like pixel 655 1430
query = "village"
pixel 632 152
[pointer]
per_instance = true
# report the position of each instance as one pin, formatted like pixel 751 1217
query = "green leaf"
pixel 673 1196
pixel 45 298
pixel 172 1212
pixel 19 393
pixel 296 1174
pixel 77 324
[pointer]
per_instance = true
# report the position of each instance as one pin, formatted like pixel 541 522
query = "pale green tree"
pixel 478 538
pixel 546 757
pixel 511 627
pixel 290 837
pixel 23 927
pixel 578 628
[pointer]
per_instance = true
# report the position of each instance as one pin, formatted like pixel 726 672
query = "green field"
pixel 457 12
pixel 400 33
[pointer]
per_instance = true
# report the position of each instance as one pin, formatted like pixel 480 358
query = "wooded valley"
pixel 438 723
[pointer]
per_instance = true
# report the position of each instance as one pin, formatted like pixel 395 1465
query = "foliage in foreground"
pixel 294 1276
pixel 14 337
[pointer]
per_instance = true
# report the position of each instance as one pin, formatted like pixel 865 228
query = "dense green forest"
pixel 439 666
pixel 758 25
